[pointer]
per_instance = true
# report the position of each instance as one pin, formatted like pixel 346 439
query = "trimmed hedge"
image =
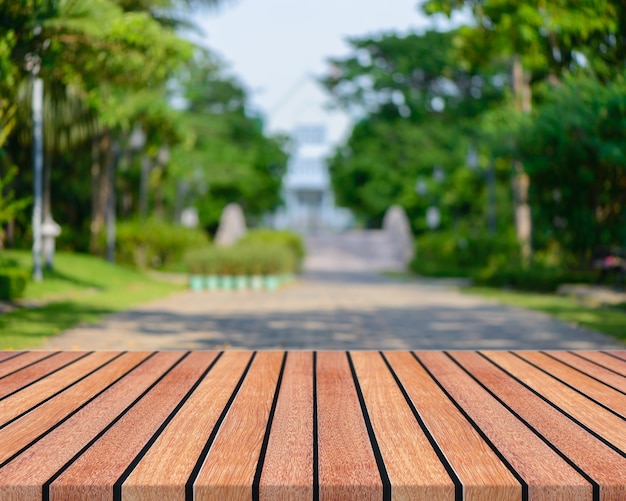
pixel 13 283
pixel 154 243
pixel 266 236
pixel 242 259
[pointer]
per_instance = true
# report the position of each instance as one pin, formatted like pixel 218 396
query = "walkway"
pixel 337 304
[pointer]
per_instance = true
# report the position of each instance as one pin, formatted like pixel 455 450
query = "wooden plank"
pixel 93 474
pixel 347 466
pixel 24 476
pixel 17 363
pixel 604 359
pixel 28 398
pixel 288 470
pixel 4 355
pixel 229 468
pixel 618 354
pixel 547 479
pixel 605 466
pixel 414 469
pixel 479 469
pixel 606 376
pixel 164 469
pixel 28 375
pixel 600 392
pixel 30 426
pixel 601 421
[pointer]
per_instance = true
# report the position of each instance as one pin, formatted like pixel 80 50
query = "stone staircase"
pixel 353 251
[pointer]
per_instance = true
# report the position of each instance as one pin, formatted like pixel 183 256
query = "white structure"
pixel 315 131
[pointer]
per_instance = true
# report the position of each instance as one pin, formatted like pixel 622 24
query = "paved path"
pixel 337 304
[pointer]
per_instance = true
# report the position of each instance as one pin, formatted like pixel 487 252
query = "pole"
pixel 111 203
pixel 491 200
pixel 37 176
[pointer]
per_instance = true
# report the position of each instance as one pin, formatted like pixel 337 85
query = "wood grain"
pixel 550 477
pixel 618 354
pixel 605 466
pixel 17 363
pixel 598 391
pixel 610 362
pixel 30 426
pixel 4 355
pixel 609 377
pixel 415 471
pixel 30 374
pixel 94 473
pixel 32 469
pixel 141 426
pixel 479 469
pixel 288 470
pixel 601 421
pixel 347 467
pixel 36 393
pixel 163 471
pixel 229 468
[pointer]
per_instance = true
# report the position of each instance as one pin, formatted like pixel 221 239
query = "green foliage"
pixel 154 243
pixel 226 157
pixel 80 290
pixel 13 281
pixel 453 254
pixel 9 205
pixel 549 36
pixel 420 104
pixel 575 154
pixel 264 236
pixel 414 76
pixel 251 258
pixel 535 277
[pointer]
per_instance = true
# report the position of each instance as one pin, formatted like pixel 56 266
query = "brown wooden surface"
pixel 436 426
pixel 288 468
pixel 17 363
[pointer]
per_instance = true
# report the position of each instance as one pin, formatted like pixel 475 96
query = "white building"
pixel 315 129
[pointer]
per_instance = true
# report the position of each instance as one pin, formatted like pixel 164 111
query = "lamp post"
pixel 33 64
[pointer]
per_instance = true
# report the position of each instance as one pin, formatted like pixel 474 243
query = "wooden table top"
pixel 489 425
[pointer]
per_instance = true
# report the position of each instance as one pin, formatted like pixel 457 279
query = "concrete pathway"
pixel 338 304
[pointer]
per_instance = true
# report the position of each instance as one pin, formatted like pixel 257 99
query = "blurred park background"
pixel 499 129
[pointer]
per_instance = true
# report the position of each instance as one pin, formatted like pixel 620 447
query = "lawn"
pixel 609 320
pixel 80 290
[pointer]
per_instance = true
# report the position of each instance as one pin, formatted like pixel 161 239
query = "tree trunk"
pixel 521 181
pixel 99 189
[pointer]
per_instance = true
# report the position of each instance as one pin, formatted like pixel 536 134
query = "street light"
pixel 33 64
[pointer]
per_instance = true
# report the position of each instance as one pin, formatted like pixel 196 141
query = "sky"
pixel 272 45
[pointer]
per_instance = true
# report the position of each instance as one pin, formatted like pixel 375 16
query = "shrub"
pixel 13 283
pixel 241 259
pixel 536 277
pixel 291 240
pixel 447 254
pixel 154 243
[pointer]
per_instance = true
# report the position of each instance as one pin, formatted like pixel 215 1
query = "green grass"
pixel 80 290
pixel 609 320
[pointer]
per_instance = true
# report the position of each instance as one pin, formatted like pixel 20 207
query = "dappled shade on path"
pixel 327 310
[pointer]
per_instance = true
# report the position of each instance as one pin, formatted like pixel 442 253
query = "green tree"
pixel 226 156
pixel 542 40
pixel 575 154
pixel 418 105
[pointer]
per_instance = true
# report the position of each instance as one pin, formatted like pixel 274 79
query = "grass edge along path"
pixel 81 289
pixel 605 319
